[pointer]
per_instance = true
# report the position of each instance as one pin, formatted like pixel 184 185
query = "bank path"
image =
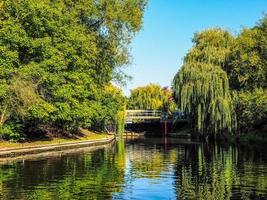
pixel 38 149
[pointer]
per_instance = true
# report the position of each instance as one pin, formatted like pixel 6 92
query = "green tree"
pixel 202 86
pixel 247 67
pixel 151 97
pixel 70 51
pixel 247 72
pixel 109 109
pixel 252 109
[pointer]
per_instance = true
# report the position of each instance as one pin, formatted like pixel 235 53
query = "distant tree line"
pixel 151 97
pixel 222 83
pixel 57 61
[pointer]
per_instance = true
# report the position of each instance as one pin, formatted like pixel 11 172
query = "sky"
pixel 169 25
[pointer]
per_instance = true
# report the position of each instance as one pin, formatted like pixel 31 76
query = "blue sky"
pixel 158 49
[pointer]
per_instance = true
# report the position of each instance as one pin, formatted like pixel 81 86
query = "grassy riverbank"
pixel 85 135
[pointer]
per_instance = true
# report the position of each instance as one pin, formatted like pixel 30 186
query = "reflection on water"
pixel 142 169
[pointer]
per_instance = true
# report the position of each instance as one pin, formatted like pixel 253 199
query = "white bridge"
pixel 135 116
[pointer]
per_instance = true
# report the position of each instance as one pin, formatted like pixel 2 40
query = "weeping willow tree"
pixel 202 86
pixel 151 97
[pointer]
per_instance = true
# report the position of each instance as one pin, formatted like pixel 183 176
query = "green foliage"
pixel 247 71
pixel 151 97
pixel 211 46
pixel 252 109
pixel 247 67
pixel 68 52
pixel 202 87
pixel 216 64
pixel 109 108
pixel 120 122
pixel 18 98
pixel 11 132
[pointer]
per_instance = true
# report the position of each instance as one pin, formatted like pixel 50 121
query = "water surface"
pixel 141 169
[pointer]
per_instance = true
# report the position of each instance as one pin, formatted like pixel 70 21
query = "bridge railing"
pixel 139 113
pixel 142 115
pixel 151 115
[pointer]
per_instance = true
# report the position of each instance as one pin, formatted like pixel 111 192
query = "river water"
pixel 141 169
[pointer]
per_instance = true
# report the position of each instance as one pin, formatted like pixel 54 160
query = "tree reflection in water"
pixel 94 175
pixel 142 169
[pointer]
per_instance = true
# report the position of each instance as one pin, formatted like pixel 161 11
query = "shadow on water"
pixel 142 168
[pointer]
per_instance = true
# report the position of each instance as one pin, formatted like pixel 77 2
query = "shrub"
pixel 11 132
pixel 251 108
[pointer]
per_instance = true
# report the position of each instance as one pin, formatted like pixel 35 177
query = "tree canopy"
pixel 222 83
pixel 151 97
pixel 202 87
pixel 247 66
pixel 69 52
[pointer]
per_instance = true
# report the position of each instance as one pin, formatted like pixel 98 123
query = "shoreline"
pixel 38 149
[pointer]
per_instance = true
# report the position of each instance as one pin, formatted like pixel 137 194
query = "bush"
pixel 11 132
pixel 251 109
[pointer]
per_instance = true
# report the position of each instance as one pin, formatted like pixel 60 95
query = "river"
pixel 141 168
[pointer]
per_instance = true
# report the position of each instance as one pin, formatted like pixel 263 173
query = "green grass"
pixel 84 136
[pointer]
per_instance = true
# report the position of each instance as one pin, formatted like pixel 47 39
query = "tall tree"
pixel 202 86
pixel 247 67
pixel 70 50
pixel 151 97
pixel 247 72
